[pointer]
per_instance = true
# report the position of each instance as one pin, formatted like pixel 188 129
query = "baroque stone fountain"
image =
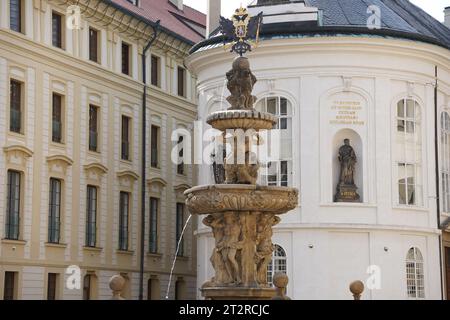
pixel 240 212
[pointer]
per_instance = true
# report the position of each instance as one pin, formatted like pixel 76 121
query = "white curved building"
pixel 329 77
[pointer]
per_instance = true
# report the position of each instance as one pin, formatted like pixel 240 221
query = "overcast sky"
pixel 433 7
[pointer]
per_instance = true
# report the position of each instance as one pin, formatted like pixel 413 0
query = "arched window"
pixel 415 274
pixel 278 263
pixel 445 161
pixel 408 153
pixel 278 171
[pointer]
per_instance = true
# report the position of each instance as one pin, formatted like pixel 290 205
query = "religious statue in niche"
pixel 346 188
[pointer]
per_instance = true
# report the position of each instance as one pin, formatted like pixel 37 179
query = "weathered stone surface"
pixel 244 119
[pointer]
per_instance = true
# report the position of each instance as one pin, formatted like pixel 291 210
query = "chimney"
pixel 213 17
pixel 447 17
pixel 177 3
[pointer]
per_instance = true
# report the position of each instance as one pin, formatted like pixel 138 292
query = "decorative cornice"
pixel 61 158
pixel 182 187
pixel 160 181
pixel 127 173
pixel 97 167
pixel 17 148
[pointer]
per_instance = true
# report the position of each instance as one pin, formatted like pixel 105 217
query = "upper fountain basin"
pixel 237 197
pixel 242 119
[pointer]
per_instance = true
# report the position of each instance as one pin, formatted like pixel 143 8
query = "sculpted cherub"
pixel 240 83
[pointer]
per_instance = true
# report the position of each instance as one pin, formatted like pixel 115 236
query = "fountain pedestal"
pixel 241 213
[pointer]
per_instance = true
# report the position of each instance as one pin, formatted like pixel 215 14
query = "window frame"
pixel 55 138
pixel 54 210
pixel 16 99
pixel 277 264
pixel 52 286
pixel 20 26
pixel 181 81
pixel 13 232
pixel 91 216
pixel 125 138
pixel 97 52
pixel 445 161
pixel 155 70
pixel 124 222
pixel 154 208
pixel 415 274
pixel 59 41
pixel 125 61
pixel 93 146
pixel 155 133
pixel 10 285
pixel 181 169
pixel 179 224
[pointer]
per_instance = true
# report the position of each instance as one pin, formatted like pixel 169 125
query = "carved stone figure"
pixel 215 221
pixel 347 158
pixel 346 189
pixel 230 245
pixel 240 84
pixel 265 246
pixel 243 173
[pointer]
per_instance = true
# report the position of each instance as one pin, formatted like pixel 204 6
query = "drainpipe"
pixel 438 200
pixel 144 158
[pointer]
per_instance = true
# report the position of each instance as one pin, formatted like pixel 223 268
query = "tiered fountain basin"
pixel 238 197
pixel 241 119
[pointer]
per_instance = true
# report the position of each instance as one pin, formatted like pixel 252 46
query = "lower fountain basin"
pixel 238 197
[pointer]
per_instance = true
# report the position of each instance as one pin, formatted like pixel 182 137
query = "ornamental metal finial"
pixel 240 30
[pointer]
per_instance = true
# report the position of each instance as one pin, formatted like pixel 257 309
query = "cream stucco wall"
pixel 43 69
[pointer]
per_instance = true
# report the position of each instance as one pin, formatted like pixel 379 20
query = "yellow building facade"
pixel 71 146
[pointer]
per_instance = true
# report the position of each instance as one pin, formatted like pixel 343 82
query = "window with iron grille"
pixel 179 229
pixel 125 138
pixel 153 235
pixel 54 215
pixel 93 128
pixel 125 58
pixel 57 27
pixel 15 111
pixel 57 124
pixel 10 287
pixel 123 220
pixel 91 217
pixel 52 286
pixel 154 155
pixel 93 45
pixel 408 153
pixel 15 15
pixel 278 263
pixel 155 70
pixel 180 166
pixel 181 82
pixel 13 206
pixel 415 274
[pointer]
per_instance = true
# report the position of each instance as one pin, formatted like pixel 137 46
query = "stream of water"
pixel 176 256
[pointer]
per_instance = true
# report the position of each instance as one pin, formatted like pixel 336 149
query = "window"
pixel 57 118
pixel 125 58
pixel 155 70
pixel 125 138
pixel 277 170
pixel 10 286
pixel 135 2
pixel 57 30
pixel 179 289
pixel 91 217
pixel 278 263
pixel 445 161
pixel 179 227
pixel 408 153
pixel 54 211
pixel 154 206
pixel 180 166
pixel 181 82
pixel 154 156
pixel 93 45
pixel 13 206
pixel 15 111
pixel 93 128
pixel 123 220
pixel 16 15
pixel 52 286
pixel 153 289
pixel 87 287
pixel 415 274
